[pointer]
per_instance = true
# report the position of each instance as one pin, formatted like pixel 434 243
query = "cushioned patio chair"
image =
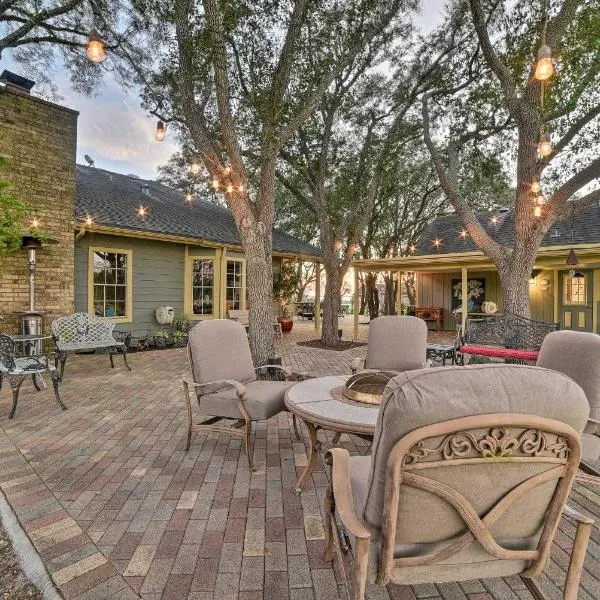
pixel 226 383
pixel 577 354
pixel 395 344
pixel 469 475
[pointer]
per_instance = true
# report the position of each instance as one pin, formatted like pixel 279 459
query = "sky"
pixel 118 134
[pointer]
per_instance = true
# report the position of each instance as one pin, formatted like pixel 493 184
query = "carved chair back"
pixel 396 343
pixel 80 328
pixel 7 353
pixel 512 510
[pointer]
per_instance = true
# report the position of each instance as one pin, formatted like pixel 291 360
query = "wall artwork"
pixel 475 297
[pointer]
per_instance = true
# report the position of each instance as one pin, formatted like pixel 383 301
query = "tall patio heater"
pixel 31 320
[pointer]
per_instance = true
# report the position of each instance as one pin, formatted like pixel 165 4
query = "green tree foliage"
pixel 487 100
pixel 12 216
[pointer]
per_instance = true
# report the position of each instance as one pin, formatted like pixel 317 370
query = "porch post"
pixel 356 302
pixel 399 293
pixel 318 297
pixel 465 293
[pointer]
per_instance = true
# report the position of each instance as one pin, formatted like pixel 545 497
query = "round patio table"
pixel 320 404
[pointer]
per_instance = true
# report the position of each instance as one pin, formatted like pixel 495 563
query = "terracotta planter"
pixel 286 325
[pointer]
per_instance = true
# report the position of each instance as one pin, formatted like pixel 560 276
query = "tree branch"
pixel 558 199
pixel 499 69
pixel 462 208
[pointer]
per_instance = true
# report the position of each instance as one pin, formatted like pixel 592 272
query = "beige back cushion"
pixel 428 396
pixel 396 343
pixel 576 354
pixel 219 349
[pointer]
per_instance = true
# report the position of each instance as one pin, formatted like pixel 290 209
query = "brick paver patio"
pixel 117 509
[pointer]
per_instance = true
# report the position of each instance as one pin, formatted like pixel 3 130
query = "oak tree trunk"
pixel 372 295
pixel 259 281
pixel 363 295
pixel 389 300
pixel 331 302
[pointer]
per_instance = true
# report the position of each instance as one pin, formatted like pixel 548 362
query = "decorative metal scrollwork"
pixel 499 443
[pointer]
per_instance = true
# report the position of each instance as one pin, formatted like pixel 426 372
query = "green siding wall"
pixel 435 289
pixel 157 276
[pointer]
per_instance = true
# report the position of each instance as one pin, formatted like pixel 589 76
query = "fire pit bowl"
pixel 367 387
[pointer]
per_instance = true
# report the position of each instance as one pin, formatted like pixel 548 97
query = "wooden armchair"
pixel 226 385
pixel 395 344
pixel 469 476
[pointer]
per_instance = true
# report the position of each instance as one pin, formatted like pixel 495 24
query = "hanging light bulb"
pixel 227 170
pixel 89 221
pixel 35 223
pixel 215 183
pixel 95 47
pixel 229 189
pixel 142 211
pixel 413 248
pixel 437 243
pixel 189 197
pixel 535 186
pixel 160 131
pixel 537 212
pixel 494 220
pixel 541 199
pixel 544 68
pixel 545 146
pixel 240 188
pixel 463 233
pixel 195 167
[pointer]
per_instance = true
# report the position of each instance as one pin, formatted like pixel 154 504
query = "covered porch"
pixel 452 286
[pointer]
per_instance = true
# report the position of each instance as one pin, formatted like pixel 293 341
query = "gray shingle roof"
pixel 112 199
pixel 586 230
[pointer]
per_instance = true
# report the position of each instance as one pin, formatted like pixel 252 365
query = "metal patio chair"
pixel 226 384
pixel 17 368
pixel 395 344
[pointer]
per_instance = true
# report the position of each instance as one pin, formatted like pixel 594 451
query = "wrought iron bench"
pixel 507 336
pixel 81 332
pixel 17 368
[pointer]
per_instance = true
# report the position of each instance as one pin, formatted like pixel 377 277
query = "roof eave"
pixel 179 239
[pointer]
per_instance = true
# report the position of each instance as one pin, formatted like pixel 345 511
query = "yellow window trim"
pixel 128 318
pixel 227 259
pixel 187 283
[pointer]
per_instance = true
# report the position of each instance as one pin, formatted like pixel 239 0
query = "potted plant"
pixel 285 286
pixel 183 323
pixel 180 339
pixel 160 339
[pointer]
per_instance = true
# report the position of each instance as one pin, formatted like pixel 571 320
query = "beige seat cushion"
pixel 219 350
pixel 263 400
pixel 396 344
pixel 577 355
pixel 590 447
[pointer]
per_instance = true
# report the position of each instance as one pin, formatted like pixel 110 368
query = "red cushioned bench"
pixel 496 352
pixel 510 337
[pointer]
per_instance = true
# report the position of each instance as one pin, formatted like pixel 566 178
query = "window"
pixel 111 281
pixel 574 290
pixel 234 276
pixel 203 280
